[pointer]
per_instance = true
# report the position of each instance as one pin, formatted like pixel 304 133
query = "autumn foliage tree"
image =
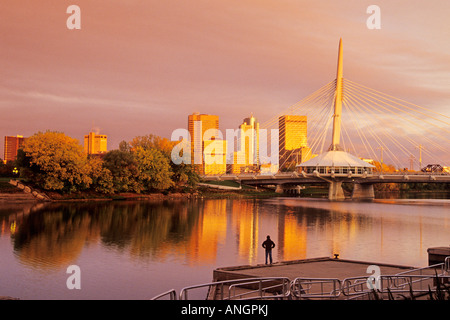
pixel 123 169
pixel 56 162
pixel 154 169
pixel 181 174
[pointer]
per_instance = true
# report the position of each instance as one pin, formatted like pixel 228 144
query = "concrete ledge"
pixel 324 267
pixel 437 254
pixel 26 189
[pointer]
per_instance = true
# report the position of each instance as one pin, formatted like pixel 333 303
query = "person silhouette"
pixel 268 245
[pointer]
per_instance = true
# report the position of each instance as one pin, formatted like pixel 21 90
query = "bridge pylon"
pixel 335 191
pixel 363 191
pixel 336 165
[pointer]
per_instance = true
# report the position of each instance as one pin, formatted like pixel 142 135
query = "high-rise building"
pixel 95 143
pixel 246 158
pixel 250 133
pixel 215 157
pixel 198 125
pixel 292 137
pixel 238 165
pixel 12 144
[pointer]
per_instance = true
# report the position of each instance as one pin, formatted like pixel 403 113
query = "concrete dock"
pixel 324 267
pixel 331 278
pixel 438 254
pixel 328 273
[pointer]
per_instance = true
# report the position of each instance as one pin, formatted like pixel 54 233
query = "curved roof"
pixel 335 159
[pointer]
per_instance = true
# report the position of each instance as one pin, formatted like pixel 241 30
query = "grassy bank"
pixel 200 192
pixel 212 193
pixel 315 192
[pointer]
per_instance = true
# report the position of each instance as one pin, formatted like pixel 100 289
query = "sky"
pixel 142 66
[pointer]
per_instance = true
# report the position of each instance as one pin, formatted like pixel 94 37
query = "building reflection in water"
pixel 209 232
pixel 292 236
pixel 199 232
pixel 245 223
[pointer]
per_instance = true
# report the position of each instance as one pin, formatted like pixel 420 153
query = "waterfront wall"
pixel 27 189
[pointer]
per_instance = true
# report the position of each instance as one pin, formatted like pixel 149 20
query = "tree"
pixel 102 178
pixel 124 171
pixel 23 162
pixel 154 169
pixel 3 169
pixel 151 141
pixel 124 146
pixel 58 162
pixel 386 167
pixel 182 173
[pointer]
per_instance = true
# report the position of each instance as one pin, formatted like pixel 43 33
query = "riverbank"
pixel 196 193
pixel 12 191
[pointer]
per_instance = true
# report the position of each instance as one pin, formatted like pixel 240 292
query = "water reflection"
pixel 189 235
pixel 53 235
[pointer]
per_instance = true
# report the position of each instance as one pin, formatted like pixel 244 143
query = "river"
pixel 136 250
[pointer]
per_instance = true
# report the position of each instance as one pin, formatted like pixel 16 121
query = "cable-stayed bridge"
pixel 363 124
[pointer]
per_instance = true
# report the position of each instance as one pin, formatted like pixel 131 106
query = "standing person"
pixel 268 245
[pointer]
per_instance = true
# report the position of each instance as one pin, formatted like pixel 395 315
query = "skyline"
pixel 132 64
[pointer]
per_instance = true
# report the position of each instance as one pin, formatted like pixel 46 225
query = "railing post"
pixel 447 264
pixel 260 288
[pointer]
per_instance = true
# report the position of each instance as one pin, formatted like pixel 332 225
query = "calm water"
pixel 136 250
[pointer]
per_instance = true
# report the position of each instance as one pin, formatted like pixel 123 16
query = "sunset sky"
pixel 141 66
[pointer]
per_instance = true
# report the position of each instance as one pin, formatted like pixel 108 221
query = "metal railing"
pixel 355 287
pixel 412 285
pixel 171 294
pixel 411 282
pixel 414 282
pixel 447 265
pixel 226 290
pixel 316 288
pixel 272 290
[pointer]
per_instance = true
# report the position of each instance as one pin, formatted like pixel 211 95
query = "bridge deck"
pixel 296 178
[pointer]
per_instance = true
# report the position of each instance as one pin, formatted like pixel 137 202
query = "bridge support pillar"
pixel 279 189
pixel 363 191
pixel 335 191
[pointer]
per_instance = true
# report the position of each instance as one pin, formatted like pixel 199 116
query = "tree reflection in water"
pixel 156 246
pixel 54 235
